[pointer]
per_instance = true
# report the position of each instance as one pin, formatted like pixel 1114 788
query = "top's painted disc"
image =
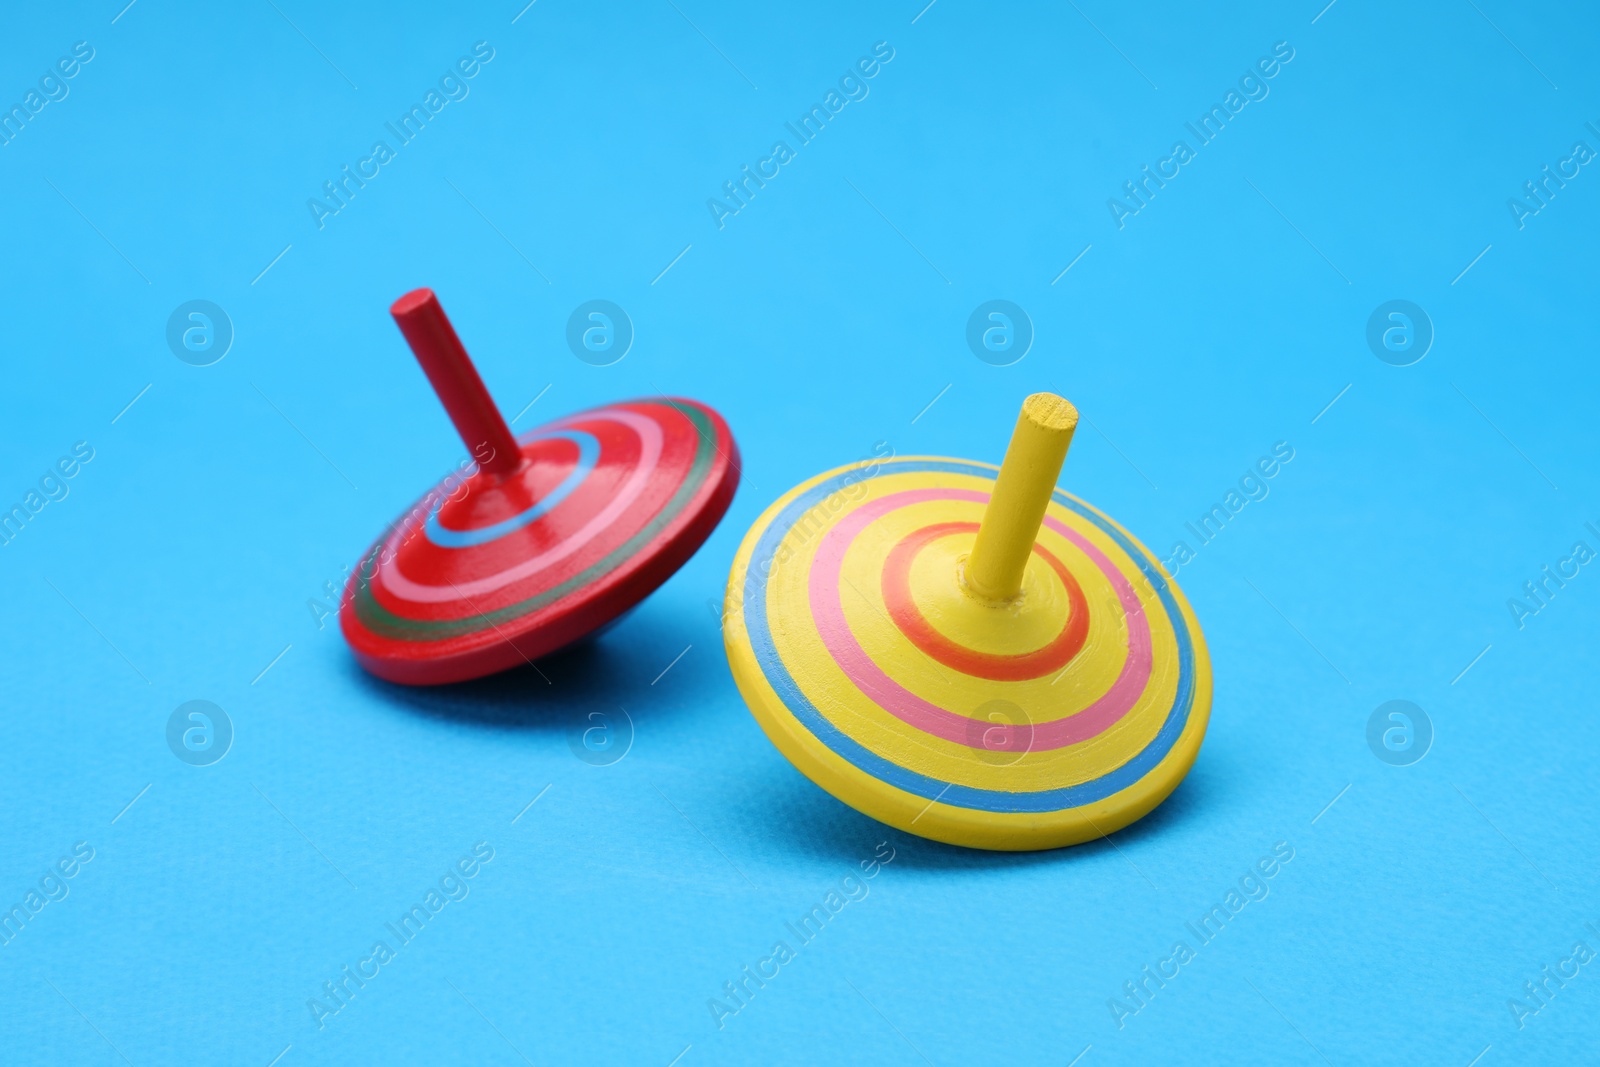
pixel 1059 717
pixel 484 573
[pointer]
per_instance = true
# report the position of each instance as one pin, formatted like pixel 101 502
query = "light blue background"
pixel 822 319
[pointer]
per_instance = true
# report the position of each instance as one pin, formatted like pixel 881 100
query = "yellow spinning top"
pixel 968 654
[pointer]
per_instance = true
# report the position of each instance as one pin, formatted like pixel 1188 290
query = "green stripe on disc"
pixel 385 623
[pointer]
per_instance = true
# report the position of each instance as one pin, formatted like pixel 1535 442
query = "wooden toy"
pixel 971 656
pixel 547 537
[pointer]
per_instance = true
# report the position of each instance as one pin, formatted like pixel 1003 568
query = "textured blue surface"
pixel 190 558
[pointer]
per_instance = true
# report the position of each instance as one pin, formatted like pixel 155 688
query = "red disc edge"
pixel 616 593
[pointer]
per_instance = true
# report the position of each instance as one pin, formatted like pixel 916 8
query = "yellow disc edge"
pixel 995 831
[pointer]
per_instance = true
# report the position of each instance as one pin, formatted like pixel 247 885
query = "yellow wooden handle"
pixel 1021 493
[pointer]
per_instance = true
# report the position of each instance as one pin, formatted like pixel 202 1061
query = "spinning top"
pixel 551 535
pixel 973 656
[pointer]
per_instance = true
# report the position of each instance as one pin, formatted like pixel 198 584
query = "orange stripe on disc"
pixel 1001 668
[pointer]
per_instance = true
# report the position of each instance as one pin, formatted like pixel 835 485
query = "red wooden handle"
pixel 448 367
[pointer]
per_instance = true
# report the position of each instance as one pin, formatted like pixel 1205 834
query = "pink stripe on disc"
pixel 650 437
pixel 827 608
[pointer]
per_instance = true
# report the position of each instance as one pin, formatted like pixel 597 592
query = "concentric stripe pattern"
pixel 476 558
pixel 847 605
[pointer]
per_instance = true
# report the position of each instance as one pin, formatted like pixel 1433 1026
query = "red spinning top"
pixel 553 534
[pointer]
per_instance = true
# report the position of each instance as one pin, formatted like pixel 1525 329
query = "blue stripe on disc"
pixel 588 453
pixel 869 762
